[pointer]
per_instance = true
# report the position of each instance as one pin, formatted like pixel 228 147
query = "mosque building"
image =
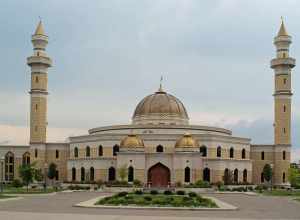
pixel 161 147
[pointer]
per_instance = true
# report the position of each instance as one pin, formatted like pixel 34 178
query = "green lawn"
pixel 298 199
pixel 282 193
pixel 159 200
pixel 6 197
pixel 13 190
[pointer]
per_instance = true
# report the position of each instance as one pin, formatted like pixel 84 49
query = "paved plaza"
pixel 60 206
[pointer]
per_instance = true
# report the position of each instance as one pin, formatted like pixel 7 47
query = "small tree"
pixel 294 177
pixel 27 172
pixel 123 172
pixel 267 171
pixel 52 171
pixel 38 175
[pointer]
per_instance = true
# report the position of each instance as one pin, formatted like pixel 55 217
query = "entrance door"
pixel 159 175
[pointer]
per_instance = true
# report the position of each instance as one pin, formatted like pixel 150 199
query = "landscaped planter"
pixel 169 199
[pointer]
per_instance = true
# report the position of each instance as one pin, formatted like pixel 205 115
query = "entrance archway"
pixel 159 175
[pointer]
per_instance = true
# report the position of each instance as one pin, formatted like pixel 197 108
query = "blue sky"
pixel 214 56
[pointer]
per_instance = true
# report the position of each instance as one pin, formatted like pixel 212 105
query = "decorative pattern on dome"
pixel 187 141
pixel 132 141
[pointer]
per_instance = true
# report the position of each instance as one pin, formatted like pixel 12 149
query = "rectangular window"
pixel 284 80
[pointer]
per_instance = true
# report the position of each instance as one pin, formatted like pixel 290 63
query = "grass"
pixel 6 197
pixel 14 190
pixel 298 199
pixel 157 200
pixel 281 193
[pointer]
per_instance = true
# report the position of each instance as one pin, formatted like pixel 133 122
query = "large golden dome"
pixel 187 141
pixel 132 141
pixel 160 108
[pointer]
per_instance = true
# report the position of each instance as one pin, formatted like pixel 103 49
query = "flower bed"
pixel 156 199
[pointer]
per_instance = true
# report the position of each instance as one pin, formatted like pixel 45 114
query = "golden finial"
pixel 160 84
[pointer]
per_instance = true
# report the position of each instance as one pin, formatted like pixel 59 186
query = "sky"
pixel 213 55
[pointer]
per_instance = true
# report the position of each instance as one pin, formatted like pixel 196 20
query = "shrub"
pixel 137 183
pixel 99 183
pixel 148 198
pixel 178 184
pixel 16 183
pixel 122 194
pixel 192 194
pixel 138 192
pixel 168 192
pixel 219 184
pixel 153 192
pixel 180 192
pixel 202 184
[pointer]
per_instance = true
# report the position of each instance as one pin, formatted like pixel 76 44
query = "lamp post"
pixel 271 165
pixel 45 176
pixel 2 171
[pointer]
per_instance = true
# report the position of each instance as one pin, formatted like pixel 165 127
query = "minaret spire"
pixel 282 30
pixel 40 29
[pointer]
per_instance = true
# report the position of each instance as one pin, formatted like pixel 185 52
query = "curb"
pixel 11 199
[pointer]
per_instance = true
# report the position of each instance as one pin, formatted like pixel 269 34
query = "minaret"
pixel 39 63
pixel 282 66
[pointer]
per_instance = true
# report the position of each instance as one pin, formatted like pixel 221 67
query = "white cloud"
pixel 19 135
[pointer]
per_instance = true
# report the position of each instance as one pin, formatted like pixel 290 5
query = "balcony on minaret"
pixel 289 61
pixel 42 60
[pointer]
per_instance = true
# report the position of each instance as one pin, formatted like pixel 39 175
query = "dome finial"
pixel 160 84
pixel 282 31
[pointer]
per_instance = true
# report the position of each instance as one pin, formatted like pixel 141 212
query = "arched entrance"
pixel 159 175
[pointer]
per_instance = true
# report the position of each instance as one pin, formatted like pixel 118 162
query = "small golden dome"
pixel 131 141
pixel 187 141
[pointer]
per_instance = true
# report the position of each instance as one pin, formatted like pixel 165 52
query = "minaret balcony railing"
pixel 291 62
pixel 39 60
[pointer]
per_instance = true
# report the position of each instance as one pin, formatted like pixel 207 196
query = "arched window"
pixel 219 151
pixel 206 174
pixel 262 155
pixel 262 178
pixel 245 176
pixel 82 174
pixel 187 175
pixel 284 108
pixel 283 155
pixel 76 152
pixel 284 80
pixel 9 166
pixel 100 151
pixel 116 149
pixel 88 151
pixel 111 174
pixel 227 177
pixel 26 158
pixel 159 149
pixel 57 154
pixel 231 152
pixel 35 153
pixel 283 177
pixel 92 174
pixel 73 174
pixel 203 151
pixel 130 174
pixel 243 153
pixel 236 176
